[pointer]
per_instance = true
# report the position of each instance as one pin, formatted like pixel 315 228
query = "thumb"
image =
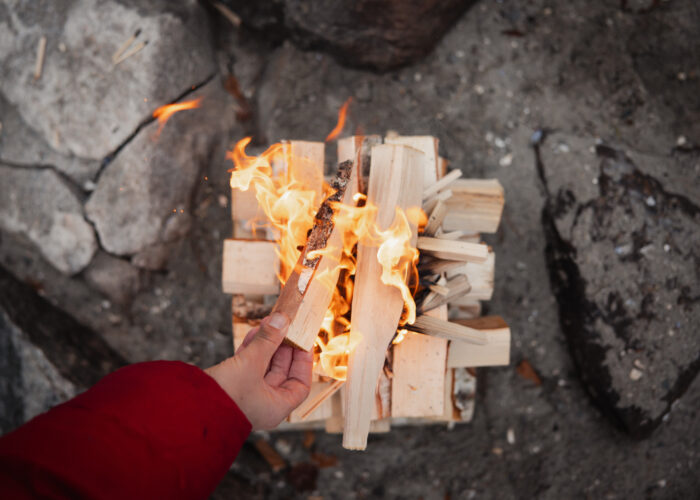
pixel 265 343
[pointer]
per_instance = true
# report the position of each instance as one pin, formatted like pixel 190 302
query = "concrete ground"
pixel 506 70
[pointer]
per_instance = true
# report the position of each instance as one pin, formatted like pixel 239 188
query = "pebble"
pixel 479 89
pixel 223 201
pixel 497 451
pixel 506 161
pixel 667 247
pixel 499 143
pixel 681 141
pixel 635 374
pixel 510 436
pixel 682 76
pixel 650 201
pixel 339 474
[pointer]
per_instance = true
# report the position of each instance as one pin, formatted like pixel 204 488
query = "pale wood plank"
pixel 395 181
pixel 250 267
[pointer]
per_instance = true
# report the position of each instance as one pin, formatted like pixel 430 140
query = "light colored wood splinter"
pixel 453 249
pixel 40 54
pixel 395 181
pixel 446 330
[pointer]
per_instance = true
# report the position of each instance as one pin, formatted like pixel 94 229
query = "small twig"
pixel 124 46
pixel 228 14
pixel 322 396
pixel 40 53
pixel 135 49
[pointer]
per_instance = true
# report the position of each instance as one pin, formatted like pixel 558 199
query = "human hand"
pixel 266 379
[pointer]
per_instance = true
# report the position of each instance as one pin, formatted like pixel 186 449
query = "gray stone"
pixel 115 278
pixel 83 104
pixel 383 34
pixel 38 204
pixel 143 198
pixel 22 146
pixel 29 384
pixel 624 261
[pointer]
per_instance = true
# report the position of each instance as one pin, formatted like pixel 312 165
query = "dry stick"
pixel 442 184
pixel 124 46
pixel 429 204
pixel 306 316
pixel 40 53
pixel 395 181
pixel 436 217
pixel 321 397
pixel 234 18
pixel 137 48
pixel 446 330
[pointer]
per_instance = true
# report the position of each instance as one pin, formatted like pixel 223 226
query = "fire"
pixel 289 207
pixel 341 121
pixel 164 113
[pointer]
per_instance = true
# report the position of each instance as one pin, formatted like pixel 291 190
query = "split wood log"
pixel 475 205
pixel 305 299
pixel 417 389
pixel 304 162
pixel 453 249
pixel 250 267
pixel 395 181
pixel 495 353
pixel 446 330
pixel 456 287
pixel 358 148
pixel 428 145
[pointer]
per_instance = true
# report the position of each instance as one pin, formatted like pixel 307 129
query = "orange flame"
pixel 341 121
pixel 289 206
pixel 164 113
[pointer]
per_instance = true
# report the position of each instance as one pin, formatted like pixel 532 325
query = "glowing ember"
pixel 341 121
pixel 164 113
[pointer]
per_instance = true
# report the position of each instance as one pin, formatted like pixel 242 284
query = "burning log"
pixel 321 254
pixel 395 181
pixel 362 381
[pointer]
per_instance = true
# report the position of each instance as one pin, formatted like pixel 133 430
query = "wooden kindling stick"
pixel 395 180
pixel 320 398
pixel 304 299
pixel 446 330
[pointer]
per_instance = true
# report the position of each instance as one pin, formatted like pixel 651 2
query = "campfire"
pixel 368 264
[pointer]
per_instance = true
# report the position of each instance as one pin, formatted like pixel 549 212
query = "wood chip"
pixel 40 53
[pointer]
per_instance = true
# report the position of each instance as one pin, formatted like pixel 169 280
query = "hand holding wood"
pixel 266 379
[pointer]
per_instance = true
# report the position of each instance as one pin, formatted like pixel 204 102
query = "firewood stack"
pixel 420 372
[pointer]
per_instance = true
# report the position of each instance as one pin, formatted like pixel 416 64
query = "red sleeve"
pixel 162 429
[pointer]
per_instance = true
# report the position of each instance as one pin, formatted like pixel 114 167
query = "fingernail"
pixel 278 321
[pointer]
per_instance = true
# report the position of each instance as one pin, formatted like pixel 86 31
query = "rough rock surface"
pixel 46 356
pixel 83 104
pixel 39 204
pixel 143 198
pixel 624 257
pixel 379 34
pixel 22 146
pixel 115 278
